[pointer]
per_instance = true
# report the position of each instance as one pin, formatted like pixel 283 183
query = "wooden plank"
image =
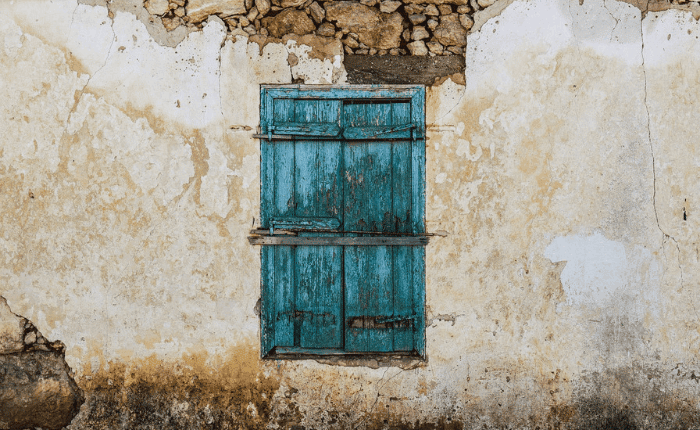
pixel 367 179
pixel 267 302
pixel 368 297
pixel 403 296
pixel 401 174
pixel 406 69
pixel 306 129
pixel 284 263
pixel 380 291
pixel 298 352
pixel 319 297
pixel 305 178
pixel 283 182
pixel 378 132
pixel 356 338
pixel 306 223
pixel 321 92
pixel 339 241
pixel 329 188
pixel 418 165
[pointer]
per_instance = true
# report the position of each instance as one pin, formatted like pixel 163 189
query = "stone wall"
pixel 369 27
pixel 36 385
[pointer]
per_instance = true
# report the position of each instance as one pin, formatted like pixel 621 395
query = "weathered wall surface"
pixel 565 172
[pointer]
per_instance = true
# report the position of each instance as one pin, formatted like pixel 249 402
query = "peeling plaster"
pixel 564 172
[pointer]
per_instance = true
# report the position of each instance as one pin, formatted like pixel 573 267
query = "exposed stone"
pixel 11 329
pixel 348 50
pixel 435 47
pixel 157 7
pixel 450 31
pixel 369 3
pixel 199 10
pixel 362 52
pixel 171 24
pixel 389 6
pixel 455 2
pixel 349 41
pixel 372 51
pixel 406 35
pixel 413 9
pixel 474 5
pixel 417 19
pixel 250 30
pixel 445 9
pixel 263 7
pixel 248 4
pixel 263 32
pixel 244 21
pixel 486 3
pixel 288 3
pixel 376 29
pixel 236 32
pixel 317 12
pixel 432 10
pixel 382 52
pixel 36 390
pixel 288 21
pixel 466 21
pixel 455 50
pixel 432 24
pixel 180 12
pixel 326 30
pixel 419 33
pixel 30 338
pixel 252 14
pixel 464 9
pixel 417 48
pixel 180 3
pixel 394 51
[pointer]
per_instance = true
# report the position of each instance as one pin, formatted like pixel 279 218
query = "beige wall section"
pixel 129 179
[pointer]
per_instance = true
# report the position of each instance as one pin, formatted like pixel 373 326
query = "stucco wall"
pixel 565 173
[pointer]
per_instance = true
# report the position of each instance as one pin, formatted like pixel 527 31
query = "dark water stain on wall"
pixel 241 394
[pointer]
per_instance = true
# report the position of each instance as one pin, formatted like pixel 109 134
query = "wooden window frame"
pixel 267 236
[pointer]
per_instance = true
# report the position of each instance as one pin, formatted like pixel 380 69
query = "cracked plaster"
pixel 130 180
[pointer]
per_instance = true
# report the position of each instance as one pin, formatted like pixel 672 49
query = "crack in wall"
pixel 665 235
pixel 376 399
pixel 617 20
pixel 81 92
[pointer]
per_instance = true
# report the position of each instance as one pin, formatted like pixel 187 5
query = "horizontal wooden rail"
pixel 339 241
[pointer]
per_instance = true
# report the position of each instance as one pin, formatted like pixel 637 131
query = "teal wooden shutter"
pixel 342 170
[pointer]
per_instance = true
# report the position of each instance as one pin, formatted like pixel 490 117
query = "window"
pixel 342 205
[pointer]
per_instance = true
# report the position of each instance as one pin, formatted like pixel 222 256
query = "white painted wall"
pixel 560 172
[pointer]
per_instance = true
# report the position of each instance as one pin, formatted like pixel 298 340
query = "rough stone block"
pixel 36 390
pixel 289 21
pixel 450 31
pixel 376 30
pixel 199 10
